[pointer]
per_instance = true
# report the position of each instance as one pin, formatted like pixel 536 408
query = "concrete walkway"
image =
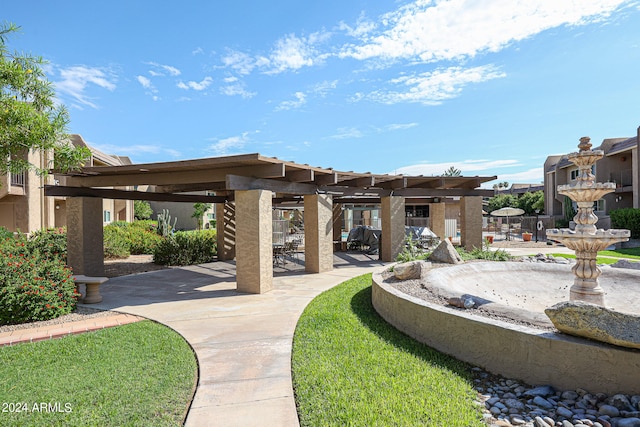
pixel 243 342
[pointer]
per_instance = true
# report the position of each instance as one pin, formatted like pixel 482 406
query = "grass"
pixel 140 374
pixel 351 368
pixel 630 253
pixel 599 260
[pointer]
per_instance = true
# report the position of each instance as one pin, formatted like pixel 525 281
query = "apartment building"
pixel 619 165
pixel 24 207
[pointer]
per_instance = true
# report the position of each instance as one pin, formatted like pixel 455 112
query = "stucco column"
pixel 85 236
pixel 392 227
pixel 337 225
pixel 254 250
pixel 436 219
pixel 318 233
pixel 471 222
pixel 226 230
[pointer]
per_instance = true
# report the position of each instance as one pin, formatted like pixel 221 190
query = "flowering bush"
pixel 33 285
pixel 51 243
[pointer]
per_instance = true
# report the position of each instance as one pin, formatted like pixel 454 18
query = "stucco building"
pixel 24 206
pixel 619 165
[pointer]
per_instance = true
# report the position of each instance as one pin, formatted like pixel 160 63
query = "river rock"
pixel 446 253
pixel 623 263
pixel 410 270
pixel 629 422
pixel 596 322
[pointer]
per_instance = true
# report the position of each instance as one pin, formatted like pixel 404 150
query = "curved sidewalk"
pixel 243 342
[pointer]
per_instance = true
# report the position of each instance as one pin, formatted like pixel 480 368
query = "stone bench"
pixel 92 285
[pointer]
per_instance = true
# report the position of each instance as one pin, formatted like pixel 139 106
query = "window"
pixel 599 205
pixel 107 216
pixel 574 174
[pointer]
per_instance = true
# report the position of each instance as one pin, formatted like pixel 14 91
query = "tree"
pixel 501 201
pixel 30 120
pixel 529 202
pixel 142 209
pixel 198 212
pixel 452 171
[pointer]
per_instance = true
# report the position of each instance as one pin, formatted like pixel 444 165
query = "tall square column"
pixel 337 225
pixel 254 249
pixel 437 219
pixel 226 230
pixel 318 233
pixel 85 236
pixel 392 227
pixel 471 222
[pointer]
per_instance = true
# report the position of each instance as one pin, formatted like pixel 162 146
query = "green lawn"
pixel 630 253
pixel 141 374
pixel 351 368
pixel 599 260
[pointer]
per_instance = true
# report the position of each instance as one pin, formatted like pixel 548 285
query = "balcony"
pixel 622 179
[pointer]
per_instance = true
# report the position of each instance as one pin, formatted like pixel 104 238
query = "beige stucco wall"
pixel 318 233
pixel 254 250
pixel 529 355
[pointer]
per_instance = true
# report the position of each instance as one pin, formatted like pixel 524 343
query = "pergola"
pixel 246 188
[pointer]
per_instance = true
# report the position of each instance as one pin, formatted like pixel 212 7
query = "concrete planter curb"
pixel 534 356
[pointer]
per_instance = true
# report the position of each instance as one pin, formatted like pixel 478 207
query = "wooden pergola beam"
pixel 108 193
pixel 235 183
pixel 186 177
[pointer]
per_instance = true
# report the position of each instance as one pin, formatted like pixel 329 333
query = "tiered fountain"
pixel 586 240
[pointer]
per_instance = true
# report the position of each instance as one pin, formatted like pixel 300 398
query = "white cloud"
pixel 428 30
pixel 324 87
pixel 145 82
pixel 531 176
pixel 233 143
pixel 468 167
pixel 198 86
pixel 363 26
pixel 230 79
pixel 347 133
pixel 163 70
pixel 300 100
pixel 290 53
pixel 433 87
pixel 236 90
pixel 75 81
pixel 400 126
pixel 197 51
pixel 240 62
pixel 150 88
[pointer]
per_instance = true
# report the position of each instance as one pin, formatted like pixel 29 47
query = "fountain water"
pixel 586 240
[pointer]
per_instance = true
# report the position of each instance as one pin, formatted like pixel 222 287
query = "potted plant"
pixel 526 236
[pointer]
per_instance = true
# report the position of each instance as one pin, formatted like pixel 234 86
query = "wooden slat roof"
pixel 229 173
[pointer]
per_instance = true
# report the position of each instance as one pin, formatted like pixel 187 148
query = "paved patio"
pixel 243 341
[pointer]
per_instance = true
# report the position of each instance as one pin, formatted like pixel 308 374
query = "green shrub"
pixel 186 248
pixel 142 241
pixel 50 243
pixel 486 254
pixel 628 218
pixel 411 251
pixel 4 233
pixel 125 238
pixel 116 242
pixel 33 285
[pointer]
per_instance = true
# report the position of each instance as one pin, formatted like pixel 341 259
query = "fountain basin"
pixel 529 354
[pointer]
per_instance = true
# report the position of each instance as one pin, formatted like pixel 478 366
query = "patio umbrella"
pixel 507 211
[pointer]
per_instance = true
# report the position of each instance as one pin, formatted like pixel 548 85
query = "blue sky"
pixel 491 87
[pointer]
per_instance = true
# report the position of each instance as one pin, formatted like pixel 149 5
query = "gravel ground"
pixel 113 268
pixel 418 289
